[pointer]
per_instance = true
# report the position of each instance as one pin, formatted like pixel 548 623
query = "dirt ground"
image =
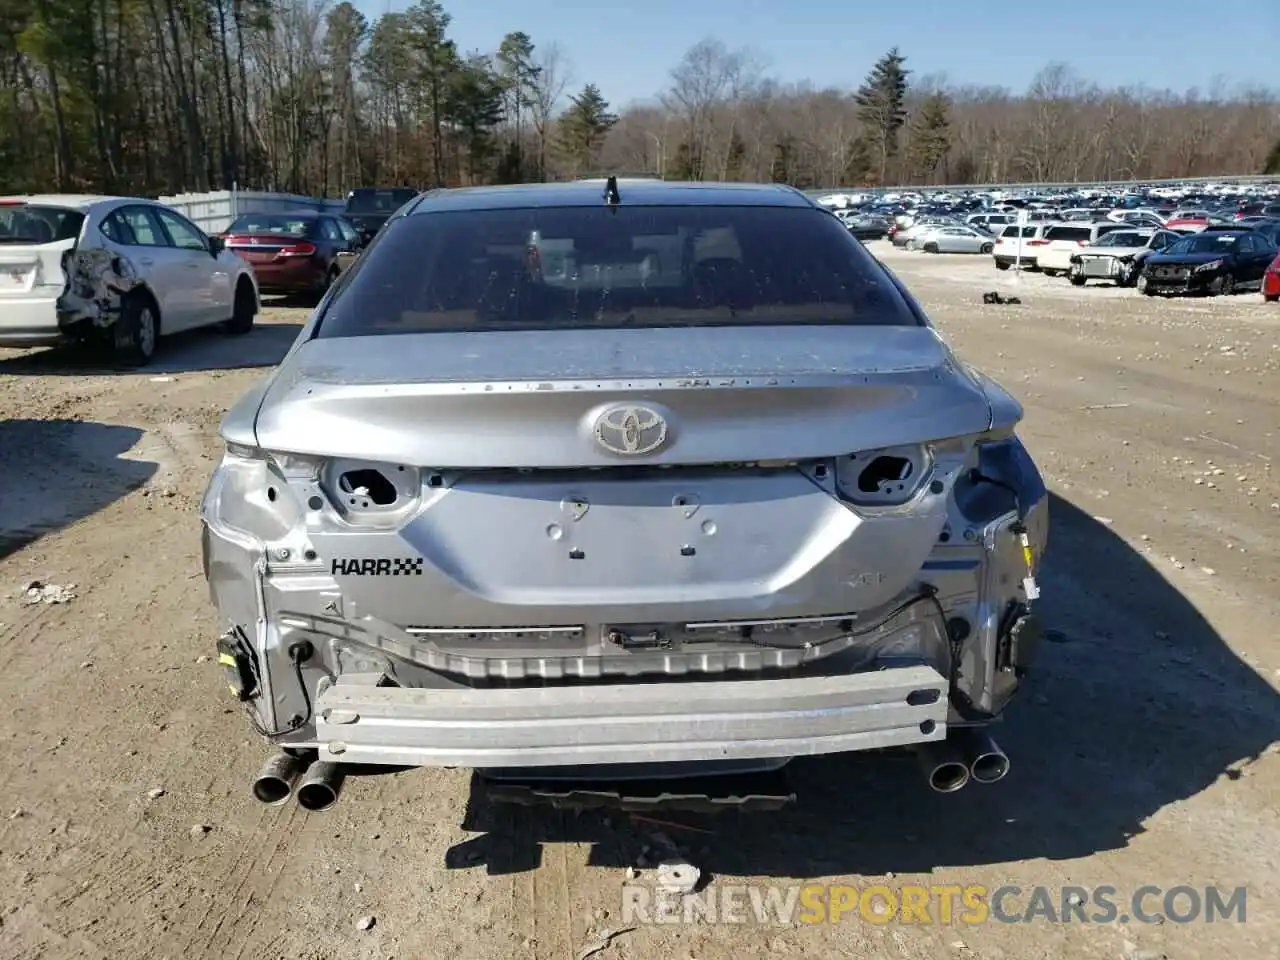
pixel 1144 751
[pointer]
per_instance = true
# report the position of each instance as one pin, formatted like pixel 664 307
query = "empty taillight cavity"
pixel 884 473
pixel 367 487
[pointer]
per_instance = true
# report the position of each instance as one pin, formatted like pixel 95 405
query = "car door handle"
pixel 146 261
pixel 191 265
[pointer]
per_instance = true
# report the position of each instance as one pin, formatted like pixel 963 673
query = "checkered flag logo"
pixel 405 567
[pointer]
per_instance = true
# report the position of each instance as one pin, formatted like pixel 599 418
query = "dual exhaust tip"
pixel 968 754
pixel 315 784
pixel 948 766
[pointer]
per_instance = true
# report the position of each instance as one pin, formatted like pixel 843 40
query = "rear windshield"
pixel 1012 232
pixel 378 201
pixel 556 268
pixel 35 224
pixel 278 223
pixel 1068 233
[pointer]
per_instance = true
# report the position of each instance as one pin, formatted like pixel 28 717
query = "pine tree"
pixel 1272 164
pixel 881 102
pixel 519 74
pixel 473 106
pixel 685 165
pixel 857 164
pixel 930 135
pixel 735 158
pixel 583 127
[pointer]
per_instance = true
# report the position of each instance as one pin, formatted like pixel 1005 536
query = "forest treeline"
pixel 158 97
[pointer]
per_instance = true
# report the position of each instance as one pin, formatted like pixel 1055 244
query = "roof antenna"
pixel 611 196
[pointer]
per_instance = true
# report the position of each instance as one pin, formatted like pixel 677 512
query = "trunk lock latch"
pixel 647 640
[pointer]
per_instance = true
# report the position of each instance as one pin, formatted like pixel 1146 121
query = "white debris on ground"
pixel 36 592
pixel 678 876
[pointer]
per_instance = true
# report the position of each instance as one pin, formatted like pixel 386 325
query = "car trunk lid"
pixel 35 245
pixel 32 271
pixel 533 399
pixel 267 247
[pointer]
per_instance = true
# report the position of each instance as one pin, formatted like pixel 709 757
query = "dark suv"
pixel 370 207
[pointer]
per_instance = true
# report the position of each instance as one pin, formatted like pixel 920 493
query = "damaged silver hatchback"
pixel 563 482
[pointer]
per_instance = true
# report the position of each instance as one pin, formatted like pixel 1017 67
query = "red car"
pixel 1271 281
pixel 293 253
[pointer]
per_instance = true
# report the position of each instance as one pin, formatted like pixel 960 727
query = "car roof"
pixel 297 214
pixel 82 201
pixel 583 193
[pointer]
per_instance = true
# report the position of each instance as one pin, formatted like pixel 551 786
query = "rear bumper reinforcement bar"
pixel 631 723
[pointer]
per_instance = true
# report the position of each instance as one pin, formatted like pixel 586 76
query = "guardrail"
pixel 1117 185
pixel 213 212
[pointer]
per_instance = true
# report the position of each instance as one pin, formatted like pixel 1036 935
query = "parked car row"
pixel 1219 259
pixel 120 272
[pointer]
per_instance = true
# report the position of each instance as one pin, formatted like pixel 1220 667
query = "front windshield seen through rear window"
pixel 34 224
pixel 378 201
pixel 554 268
pixel 283 225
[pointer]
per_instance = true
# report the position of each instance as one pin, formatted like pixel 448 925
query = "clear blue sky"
pixel 628 48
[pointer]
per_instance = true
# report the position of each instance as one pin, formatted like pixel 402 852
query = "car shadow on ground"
pixel 188 352
pixel 1136 703
pixel 60 471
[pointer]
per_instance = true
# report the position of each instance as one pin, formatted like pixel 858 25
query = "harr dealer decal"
pixel 379 567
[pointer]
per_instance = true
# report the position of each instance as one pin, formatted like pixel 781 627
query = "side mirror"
pixel 216 245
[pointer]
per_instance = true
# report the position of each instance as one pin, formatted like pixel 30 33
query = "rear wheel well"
pixel 142 294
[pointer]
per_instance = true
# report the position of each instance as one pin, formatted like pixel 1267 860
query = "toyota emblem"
pixel 631 431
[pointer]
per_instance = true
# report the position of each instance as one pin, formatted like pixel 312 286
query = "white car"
pixel 1009 251
pixel 118 271
pixel 1064 240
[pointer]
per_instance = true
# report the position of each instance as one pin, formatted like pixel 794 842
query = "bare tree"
pixel 546 96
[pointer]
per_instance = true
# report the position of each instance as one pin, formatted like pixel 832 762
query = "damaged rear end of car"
pixel 678 483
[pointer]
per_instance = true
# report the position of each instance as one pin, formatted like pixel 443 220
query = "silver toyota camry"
pixel 621 480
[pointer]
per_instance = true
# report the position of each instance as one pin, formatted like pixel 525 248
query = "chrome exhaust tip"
pixel 944 768
pixel 275 781
pixel 987 762
pixel 320 787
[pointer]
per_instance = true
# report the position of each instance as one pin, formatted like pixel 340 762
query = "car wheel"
pixel 1077 279
pixel 1001 265
pixel 136 333
pixel 328 281
pixel 242 314
pixel 930 248
pixel 1144 286
pixel 1270 297
pixel 1224 286
pixel 987 248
